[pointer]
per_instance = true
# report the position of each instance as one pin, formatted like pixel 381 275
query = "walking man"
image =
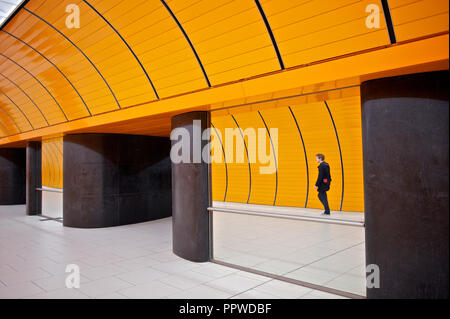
pixel 323 182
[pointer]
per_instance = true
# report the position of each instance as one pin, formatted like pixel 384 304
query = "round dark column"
pixel 115 179
pixel 405 145
pixel 190 193
pixel 34 178
pixel 12 176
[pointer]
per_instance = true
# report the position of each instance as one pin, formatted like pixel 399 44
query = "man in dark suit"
pixel 323 182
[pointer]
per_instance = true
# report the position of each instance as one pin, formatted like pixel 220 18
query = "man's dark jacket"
pixel 324 173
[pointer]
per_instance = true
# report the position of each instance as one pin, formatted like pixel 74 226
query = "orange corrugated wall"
pixel 52 162
pixel 331 127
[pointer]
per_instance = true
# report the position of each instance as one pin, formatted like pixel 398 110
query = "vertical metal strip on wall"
pixel 274 156
pixel 225 160
pixel 306 156
pixel 340 152
pixel 248 159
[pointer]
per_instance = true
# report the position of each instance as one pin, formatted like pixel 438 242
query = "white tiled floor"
pixel 324 254
pixel 133 261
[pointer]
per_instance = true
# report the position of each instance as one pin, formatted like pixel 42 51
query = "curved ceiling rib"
pixel 40 83
pixel 188 40
pixel 4 129
pixel 20 110
pixel 388 19
pixel 126 43
pixel 272 37
pixel 81 51
pixel 56 67
pixel 11 119
pixel 29 98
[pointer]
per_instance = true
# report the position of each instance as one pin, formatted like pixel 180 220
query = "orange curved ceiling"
pixel 129 53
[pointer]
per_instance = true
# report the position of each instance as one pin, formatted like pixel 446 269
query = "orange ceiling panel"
pixel 130 53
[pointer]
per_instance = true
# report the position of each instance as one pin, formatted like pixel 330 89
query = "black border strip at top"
pixel 188 40
pixel 81 51
pixel 275 158
pixel 340 152
pixel 225 159
pixel 389 23
pixel 126 43
pixel 248 160
pixel 272 37
pixel 306 156
pixel 13 14
pixel 43 86
pixel 25 93
pixel 54 65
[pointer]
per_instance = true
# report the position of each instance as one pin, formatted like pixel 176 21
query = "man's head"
pixel 320 158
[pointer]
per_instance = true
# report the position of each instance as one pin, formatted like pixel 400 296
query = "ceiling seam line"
pixel 12 120
pixel 389 22
pixel 81 51
pixel 188 40
pixel 32 101
pixel 34 77
pixel 20 110
pixel 56 67
pixel 128 46
pixel 272 36
pixel 5 130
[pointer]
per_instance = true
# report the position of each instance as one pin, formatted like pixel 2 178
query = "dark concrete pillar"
pixel 12 176
pixel 405 145
pixel 190 193
pixel 114 179
pixel 34 178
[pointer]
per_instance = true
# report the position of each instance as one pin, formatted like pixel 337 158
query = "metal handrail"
pixel 49 190
pixel 287 216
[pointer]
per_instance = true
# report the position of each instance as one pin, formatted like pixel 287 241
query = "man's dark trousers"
pixel 324 200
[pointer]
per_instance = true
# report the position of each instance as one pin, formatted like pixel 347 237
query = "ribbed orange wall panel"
pixel 238 173
pixel 52 162
pixel 292 169
pixel 347 117
pixel 220 171
pixel 307 125
pixel 319 136
pixel 262 185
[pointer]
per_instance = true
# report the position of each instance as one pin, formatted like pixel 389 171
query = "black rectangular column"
pixel 190 191
pixel 34 178
pixel 12 176
pixel 115 179
pixel 405 144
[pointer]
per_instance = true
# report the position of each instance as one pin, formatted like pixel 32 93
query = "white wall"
pixel 52 202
